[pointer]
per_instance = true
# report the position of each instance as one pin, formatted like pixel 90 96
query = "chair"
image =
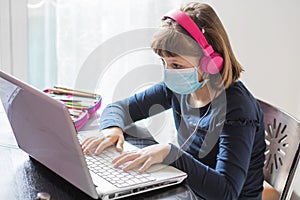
pixel 282 152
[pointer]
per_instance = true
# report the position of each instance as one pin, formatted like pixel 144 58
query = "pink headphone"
pixel 211 62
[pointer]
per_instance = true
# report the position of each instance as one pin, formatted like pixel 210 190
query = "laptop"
pixel 43 129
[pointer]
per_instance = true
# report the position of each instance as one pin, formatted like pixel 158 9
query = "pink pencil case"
pixel 81 105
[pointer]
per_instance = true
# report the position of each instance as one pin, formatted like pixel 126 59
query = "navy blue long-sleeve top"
pixel 221 145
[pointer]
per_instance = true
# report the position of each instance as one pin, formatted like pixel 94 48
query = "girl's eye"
pixel 176 66
pixel 172 65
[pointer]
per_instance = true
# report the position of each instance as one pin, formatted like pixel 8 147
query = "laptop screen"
pixel 43 129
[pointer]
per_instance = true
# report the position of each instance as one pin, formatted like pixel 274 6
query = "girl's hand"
pixel 146 157
pixel 106 138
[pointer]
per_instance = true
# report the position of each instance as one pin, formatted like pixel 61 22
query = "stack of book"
pixel 81 105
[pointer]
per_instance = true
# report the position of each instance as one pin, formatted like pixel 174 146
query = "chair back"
pixel 282 135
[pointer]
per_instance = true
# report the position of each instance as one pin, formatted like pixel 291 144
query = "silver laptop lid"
pixel 43 129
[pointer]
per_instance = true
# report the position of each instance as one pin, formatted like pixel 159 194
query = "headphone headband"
pixel 191 27
pixel 211 62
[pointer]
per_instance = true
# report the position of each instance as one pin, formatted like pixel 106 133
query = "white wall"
pixel 265 38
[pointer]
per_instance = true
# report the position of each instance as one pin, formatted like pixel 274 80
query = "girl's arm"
pixel 152 101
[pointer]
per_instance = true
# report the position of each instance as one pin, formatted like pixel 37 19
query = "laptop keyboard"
pixel 102 166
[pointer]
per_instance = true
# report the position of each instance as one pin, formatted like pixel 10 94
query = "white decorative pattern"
pixel 275 154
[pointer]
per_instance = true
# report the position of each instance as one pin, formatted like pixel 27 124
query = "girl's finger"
pixel 148 163
pixel 103 145
pixel 122 159
pixel 87 140
pixel 92 144
pixel 136 162
pixel 119 145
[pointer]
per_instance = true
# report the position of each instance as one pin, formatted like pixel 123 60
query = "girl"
pixel 219 123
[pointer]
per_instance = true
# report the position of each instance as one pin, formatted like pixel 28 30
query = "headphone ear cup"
pixel 211 64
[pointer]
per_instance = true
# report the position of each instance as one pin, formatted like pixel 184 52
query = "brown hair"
pixel 167 40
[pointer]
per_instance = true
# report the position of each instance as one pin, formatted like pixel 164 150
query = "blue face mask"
pixel 182 81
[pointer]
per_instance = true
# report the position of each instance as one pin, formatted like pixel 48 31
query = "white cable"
pixel 195 130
